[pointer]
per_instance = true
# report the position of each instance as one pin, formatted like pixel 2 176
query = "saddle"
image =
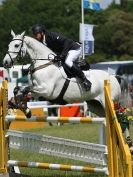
pixel 81 64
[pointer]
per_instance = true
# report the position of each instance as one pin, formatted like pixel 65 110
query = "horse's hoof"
pixel 50 124
pixel 28 114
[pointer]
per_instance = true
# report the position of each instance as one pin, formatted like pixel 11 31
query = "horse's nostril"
pixel 5 64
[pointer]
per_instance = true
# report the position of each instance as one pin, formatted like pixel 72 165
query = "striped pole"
pixel 55 119
pixel 61 167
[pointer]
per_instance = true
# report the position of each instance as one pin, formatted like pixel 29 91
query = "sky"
pixel 104 3
pixel 1 1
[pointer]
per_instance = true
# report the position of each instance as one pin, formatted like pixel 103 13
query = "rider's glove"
pixel 59 58
pixel 62 57
pixel 56 58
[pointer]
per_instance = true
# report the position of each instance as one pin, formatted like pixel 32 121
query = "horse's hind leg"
pixel 128 140
pixel 96 107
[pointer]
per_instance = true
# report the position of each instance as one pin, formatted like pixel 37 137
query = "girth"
pixel 59 99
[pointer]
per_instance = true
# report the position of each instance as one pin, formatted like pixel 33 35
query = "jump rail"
pixel 56 166
pixel 42 104
pixel 55 119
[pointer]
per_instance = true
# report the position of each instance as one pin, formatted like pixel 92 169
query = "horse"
pixel 49 80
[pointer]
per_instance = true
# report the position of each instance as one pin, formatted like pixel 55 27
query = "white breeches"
pixel 72 56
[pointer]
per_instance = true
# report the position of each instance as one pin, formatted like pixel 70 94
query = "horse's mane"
pixel 37 44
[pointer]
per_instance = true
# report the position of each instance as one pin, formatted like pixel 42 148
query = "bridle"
pixel 20 56
pixel 19 52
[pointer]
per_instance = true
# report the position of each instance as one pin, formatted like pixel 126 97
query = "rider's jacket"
pixel 60 44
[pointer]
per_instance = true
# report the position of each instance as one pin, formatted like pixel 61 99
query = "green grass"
pixel 88 133
pixel 81 132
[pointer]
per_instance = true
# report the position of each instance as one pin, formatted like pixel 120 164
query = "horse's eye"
pixel 16 45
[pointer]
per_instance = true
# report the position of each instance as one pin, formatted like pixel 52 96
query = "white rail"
pixel 77 150
pixel 43 104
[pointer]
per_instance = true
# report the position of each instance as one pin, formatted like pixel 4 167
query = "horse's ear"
pixel 12 33
pixel 23 33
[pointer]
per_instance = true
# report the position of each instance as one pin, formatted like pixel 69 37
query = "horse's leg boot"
pixel 130 144
pixel 84 81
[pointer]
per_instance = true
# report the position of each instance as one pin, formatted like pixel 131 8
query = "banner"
pixel 91 4
pixel 86 36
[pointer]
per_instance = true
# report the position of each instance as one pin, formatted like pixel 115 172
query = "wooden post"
pixel 109 136
pixel 117 148
pixel 3 140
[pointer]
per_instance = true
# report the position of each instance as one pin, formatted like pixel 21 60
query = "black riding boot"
pixel 84 81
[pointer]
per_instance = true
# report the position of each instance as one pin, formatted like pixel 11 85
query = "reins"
pixel 41 67
pixel 44 65
pixel 45 58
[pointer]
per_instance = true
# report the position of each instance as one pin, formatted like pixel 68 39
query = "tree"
pixel 123 2
pixel 113 31
pixel 20 15
pixel 119 34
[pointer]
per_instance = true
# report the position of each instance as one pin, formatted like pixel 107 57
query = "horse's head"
pixel 15 48
pixel 20 45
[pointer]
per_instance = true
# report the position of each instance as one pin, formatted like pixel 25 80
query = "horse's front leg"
pixel 43 89
pixel 26 90
pixel 21 97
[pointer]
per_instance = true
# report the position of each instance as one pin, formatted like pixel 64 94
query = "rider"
pixel 66 49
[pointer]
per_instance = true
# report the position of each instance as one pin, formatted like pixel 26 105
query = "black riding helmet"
pixel 38 28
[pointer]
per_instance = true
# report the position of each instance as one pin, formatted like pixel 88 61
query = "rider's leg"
pixel 85 82
pixel 72 56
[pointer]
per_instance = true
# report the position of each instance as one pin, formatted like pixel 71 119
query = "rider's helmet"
pixel 38 28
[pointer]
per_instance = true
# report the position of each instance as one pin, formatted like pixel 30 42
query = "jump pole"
pixel 55 119
pixel 61 167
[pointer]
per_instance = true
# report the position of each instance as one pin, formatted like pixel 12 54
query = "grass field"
pixel 88 133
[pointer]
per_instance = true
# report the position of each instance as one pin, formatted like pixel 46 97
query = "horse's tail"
pixel 125 99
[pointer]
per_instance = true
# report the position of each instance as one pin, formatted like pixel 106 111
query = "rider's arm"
pixel 64 42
